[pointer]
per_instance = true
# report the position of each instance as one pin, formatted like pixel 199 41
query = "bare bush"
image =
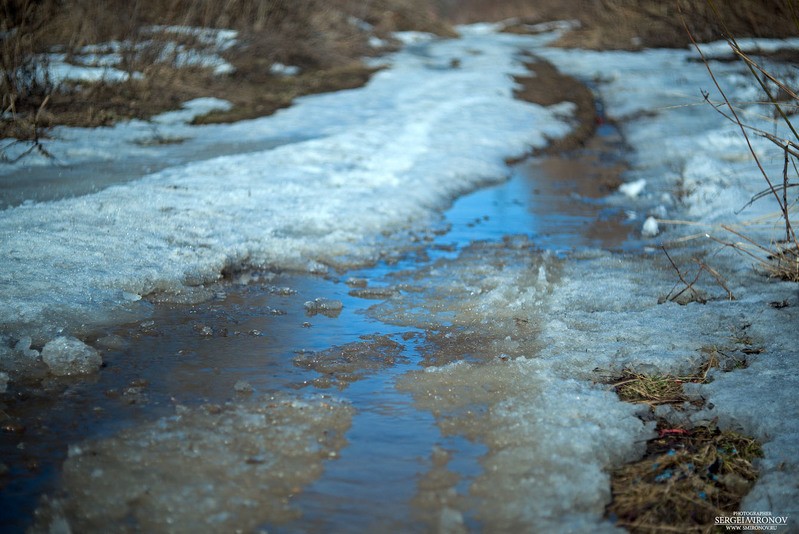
pixel 779 257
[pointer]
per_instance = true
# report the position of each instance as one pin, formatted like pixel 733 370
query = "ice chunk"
pixel 329 307
pixel 23 348
pixel 550 440
pixel 633 189
pixel 3 382
pixel 243 387
pixel 341 365
pixel 650 228
pixel 67 356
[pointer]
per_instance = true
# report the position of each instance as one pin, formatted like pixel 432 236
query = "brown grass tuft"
pixel 686 480
pixel 655 390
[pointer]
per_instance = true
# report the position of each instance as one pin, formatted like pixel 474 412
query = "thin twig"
pixel 734 113
pixel 717 276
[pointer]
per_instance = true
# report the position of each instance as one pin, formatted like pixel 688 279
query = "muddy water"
pixel 257 337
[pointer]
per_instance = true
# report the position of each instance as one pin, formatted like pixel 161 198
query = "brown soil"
pixel 547 86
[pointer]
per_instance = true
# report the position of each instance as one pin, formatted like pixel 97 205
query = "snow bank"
pixel 694 163
pixel 698 168
pixel 384 159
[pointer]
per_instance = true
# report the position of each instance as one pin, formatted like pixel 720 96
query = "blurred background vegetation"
pixel 325 39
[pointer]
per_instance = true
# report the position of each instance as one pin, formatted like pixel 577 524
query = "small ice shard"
pixel 633 189
pixel 650 228
pixel 243 387
pixel 23 348
pixel 3 382
pixel 66 356
pixel 329 307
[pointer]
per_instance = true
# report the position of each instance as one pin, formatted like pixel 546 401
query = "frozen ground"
pixel 518 336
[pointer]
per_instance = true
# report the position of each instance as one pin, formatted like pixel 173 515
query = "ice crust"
pixel 384 160
pixel 66 356
pixel 551 441
pixel 228 468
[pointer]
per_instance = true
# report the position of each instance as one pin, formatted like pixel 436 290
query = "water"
pixel 398 465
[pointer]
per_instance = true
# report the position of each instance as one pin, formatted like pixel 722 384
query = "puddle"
pixel 397 469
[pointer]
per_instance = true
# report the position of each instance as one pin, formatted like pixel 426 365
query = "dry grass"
pixel 687 479
pixel 655 390
pixel 319 36
pixel 632 24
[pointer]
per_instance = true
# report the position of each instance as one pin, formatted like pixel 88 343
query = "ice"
pixel 339 366
pixel 551 441
pixel 330 307
pixel 650 227
pixel 66 356
pixel 552 434
pixel 243 387
pixel 497 286
pixel 4 379
pixel 633 189
pixel 23 348
pixel 228 468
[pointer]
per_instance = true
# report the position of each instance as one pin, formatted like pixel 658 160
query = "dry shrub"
pixel 779 258
pixel 24 83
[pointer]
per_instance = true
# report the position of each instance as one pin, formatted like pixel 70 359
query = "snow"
pixel 99 62
pixel 279 69
pixel 383 160
pixel 535 331
pixel 60 71
pixel 633 189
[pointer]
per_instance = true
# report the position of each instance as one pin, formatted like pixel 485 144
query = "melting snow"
pixel 533 329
